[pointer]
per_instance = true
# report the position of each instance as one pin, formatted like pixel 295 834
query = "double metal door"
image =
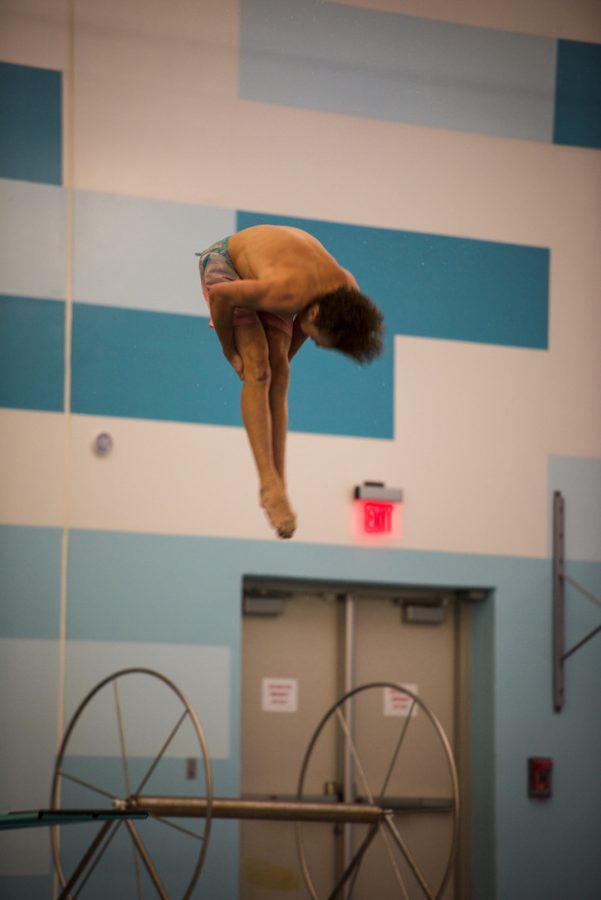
pixel 298 659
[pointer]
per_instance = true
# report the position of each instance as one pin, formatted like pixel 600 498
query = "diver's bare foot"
pixel 275 503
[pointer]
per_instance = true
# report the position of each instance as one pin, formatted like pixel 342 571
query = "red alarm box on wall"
pixel 540 771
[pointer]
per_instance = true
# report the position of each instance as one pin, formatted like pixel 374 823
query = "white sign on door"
pixel 279 695
pixel 396 703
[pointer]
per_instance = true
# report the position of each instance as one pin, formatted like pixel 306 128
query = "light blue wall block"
pixel 150 588
pixel 171 590
pixel 30 563
pixel 579 480
pixel 28 705
pixel 199 670
pixel 139 253
pixel 370 63
pixel 582 615
pixel 29 621
pixel 32 240
pixel 31 116
pixel 544 849
pixel 168 777
pixel 131 586
pixel 32 364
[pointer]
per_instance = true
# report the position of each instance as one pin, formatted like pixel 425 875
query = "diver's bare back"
pixel 280 252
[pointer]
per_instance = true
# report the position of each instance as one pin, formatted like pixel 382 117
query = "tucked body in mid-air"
pixel 269 288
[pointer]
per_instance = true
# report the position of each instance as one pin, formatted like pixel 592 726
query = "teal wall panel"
pixel 32 351
pixel 31 115
pixel 437 286
pixel 146 365
pixel 578 95
pixel 427 286
pixel 139 364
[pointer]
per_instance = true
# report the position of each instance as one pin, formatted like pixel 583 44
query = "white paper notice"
pixel 279 695
pixel 396 703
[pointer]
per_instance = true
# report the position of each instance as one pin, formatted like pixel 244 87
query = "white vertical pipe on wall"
pixel 68 179
pixel 348 789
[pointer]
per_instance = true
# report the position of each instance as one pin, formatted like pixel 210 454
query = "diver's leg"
pixel 279 345
pixel 251 342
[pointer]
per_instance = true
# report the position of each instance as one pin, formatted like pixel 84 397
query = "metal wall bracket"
pixel 560 578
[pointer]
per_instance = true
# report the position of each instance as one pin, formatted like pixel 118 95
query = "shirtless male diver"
pixel 269 288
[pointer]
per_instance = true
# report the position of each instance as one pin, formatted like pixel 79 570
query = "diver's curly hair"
pixel 353 323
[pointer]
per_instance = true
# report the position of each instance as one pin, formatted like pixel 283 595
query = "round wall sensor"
pixel 103 444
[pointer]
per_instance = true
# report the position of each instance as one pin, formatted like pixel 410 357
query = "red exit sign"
pixel 377 517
